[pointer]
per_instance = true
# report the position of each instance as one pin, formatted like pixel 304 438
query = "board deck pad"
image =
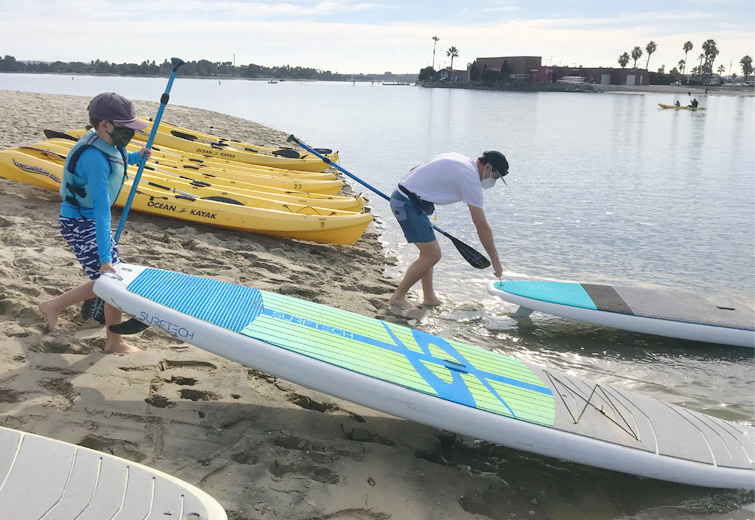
pixel 664 304
pixel 444 368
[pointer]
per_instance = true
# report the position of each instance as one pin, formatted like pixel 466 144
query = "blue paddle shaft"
pixel 360 181
pixel 163 101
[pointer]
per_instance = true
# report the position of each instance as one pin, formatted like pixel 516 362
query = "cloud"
pixel 347 36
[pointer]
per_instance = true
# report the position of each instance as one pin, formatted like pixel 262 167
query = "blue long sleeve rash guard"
pixel 94 167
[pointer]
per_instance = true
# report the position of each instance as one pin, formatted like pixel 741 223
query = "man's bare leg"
pixel 429 255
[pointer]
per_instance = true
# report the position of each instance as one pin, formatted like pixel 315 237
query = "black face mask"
pixel 121 136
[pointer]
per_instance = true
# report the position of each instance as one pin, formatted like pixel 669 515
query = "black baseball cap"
pixel 498 161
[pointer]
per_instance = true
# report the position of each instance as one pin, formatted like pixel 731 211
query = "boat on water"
pixel 662 105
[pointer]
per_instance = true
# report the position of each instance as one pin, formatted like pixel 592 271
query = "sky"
pixel 375 36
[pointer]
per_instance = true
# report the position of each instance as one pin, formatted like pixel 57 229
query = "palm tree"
pixel 636 54
pixel 453 52
pixel 651 48
pixel 681 66
pixel 435 42
pixel 711 52
pixel 721 70
pixel 623 60
pixel 687 47
pixel 746 63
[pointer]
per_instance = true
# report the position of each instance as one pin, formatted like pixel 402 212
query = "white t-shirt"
pixel 446 179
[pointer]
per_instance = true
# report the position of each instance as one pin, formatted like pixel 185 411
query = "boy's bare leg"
pixel 51 309
pixel 115 342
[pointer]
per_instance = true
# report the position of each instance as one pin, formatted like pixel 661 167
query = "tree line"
pixel 702 71
pixel 201 68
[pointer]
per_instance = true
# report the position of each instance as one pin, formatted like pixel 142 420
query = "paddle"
pixel 54 134
pixel 472 256
pixel 163 102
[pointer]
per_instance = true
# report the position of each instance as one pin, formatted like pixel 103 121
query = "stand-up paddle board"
pixel 442 383
pixel 42 478
pixel 664 312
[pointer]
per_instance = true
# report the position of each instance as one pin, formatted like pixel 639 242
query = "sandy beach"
pixel 265 448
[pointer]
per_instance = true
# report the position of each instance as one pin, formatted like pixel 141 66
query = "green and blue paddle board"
pixel 443 383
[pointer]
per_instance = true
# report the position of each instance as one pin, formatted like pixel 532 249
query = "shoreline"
pixel 697 90
pixel 263 447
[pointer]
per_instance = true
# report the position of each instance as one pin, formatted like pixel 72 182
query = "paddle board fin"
pixel 94 309
pixel 132 326
pixel 521 312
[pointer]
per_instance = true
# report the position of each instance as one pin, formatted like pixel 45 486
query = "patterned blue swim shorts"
pixel 81 237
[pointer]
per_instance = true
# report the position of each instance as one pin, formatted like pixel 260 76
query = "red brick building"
pixel 505 68
pixel 529 69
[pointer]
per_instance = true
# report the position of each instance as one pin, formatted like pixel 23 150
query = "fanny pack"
pixel 426 206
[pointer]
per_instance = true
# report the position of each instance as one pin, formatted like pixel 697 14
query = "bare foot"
pixel 119 346
pixel 402 303
pixel 433 302
pixel 50 314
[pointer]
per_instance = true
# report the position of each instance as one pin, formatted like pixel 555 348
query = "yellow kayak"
pixel 202 161
pixel 245 154
pixel 680 107
pixel 273 179
pixel 194 135
pixel 189 187
pixel 338 227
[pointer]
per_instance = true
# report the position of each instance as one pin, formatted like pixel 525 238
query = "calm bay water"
pixel 604 188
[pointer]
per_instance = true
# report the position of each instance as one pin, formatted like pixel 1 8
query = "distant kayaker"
pixel 93 176
pixel 694 103
pixel 677 104
pixel 446 179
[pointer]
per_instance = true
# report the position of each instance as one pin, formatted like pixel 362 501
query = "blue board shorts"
pixel 81 237
pixel 413 220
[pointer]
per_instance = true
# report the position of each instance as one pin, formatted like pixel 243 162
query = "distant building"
pixel 453 75
pixel 505 68
pixel 593 75
pixel 529 69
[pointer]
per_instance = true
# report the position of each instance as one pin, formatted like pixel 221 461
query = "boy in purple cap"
pixel 93 176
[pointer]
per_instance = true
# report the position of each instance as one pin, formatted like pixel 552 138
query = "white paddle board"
pixel 664 312
pixel 43 478
pixel 442 383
